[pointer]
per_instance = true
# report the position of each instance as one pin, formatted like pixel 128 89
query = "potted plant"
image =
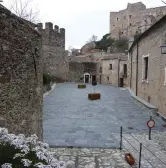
pixel 94 96
pixel 81 86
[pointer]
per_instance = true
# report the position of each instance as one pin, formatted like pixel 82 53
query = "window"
pixel 130 24
pixel 117 19
pixel 125 70
pixel 122 32
pixel 110 68
pixel 130 16
pixel 107 78
pixel 145 68
pixel 124 17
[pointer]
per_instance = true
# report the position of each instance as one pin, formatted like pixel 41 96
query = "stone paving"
pixel 153 153
pixel 92 158
pixel 70 119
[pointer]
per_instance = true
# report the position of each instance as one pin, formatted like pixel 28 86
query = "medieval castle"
pixel 134 20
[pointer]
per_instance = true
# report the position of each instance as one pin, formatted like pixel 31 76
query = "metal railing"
pixel 138 151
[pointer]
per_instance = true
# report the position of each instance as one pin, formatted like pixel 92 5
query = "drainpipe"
pixel 131 66
pixel 118 70
pixel 131 40
pixel 137 71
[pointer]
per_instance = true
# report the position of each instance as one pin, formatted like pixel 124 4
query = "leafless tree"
pixel 163 1
pixel 92 39
pixel 23 9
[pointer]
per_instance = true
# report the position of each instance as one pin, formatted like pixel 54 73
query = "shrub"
pixel 46 79
pixel 19 151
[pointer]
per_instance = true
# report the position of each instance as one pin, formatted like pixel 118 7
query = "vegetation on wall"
pixel 120 45
pixel 46 79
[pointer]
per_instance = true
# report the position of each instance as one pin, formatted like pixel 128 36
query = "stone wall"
pixel 78 69
pixel 21 92
pixel 53 49
pixel 112 76
pixel 153 89
pixel 135 19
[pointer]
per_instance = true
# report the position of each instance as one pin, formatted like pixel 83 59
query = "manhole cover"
pixel 130 128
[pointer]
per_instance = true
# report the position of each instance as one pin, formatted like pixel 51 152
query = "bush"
pixel 46 79
pixel 121 45
pixel 19 151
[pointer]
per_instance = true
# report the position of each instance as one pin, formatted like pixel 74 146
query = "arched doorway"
pixel 86 78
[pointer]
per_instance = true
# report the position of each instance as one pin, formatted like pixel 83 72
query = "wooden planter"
pixel 82 86
pixel 130 159
pixel 94 96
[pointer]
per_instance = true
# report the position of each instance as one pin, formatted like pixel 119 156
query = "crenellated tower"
pixel 53 48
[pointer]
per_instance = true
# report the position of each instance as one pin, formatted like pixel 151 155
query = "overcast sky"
pixel 82 18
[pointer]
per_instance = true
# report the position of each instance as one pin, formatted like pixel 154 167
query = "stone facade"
pixel 53 49
pixel 113 68
pixel 77 70
pixel 147 66
pixel 134 20
pixel 20 75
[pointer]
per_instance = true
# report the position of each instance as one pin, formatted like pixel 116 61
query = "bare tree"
pixel 163 1
pixel 92 39
pixel 23 9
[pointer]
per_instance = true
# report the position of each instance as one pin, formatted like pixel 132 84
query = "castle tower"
pixel 135 18
pixel 53 49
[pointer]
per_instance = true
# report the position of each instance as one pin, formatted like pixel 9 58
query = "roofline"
pixel 145 33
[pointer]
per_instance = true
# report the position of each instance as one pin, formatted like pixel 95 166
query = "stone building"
pixel 147 66
pixel 99 68
pixel 84 72
pixel 134 20
pixel 113 68
pixel 21 72
pixel 53 49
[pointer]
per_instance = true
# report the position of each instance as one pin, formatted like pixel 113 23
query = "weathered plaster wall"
pixel 111 76
pixel 152 90
pixel 21 92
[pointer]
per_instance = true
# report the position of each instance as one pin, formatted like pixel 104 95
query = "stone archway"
pixel 86 78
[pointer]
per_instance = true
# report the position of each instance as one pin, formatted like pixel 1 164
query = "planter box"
pixel 130 159
pixel 94 96
pixel 82 86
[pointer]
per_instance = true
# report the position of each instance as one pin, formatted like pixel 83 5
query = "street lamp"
pixel 163 49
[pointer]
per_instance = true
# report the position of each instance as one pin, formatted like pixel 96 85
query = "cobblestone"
pixel 96 158
pixel 114 158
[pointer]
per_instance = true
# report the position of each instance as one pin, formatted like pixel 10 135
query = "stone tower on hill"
pixel 134 20
pixel 53 49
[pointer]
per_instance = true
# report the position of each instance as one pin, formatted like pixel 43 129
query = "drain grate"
pixel 130 128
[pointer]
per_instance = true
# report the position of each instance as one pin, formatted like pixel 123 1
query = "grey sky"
pixel 82 18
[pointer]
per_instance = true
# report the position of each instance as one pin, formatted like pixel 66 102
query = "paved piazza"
pixel 70 119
